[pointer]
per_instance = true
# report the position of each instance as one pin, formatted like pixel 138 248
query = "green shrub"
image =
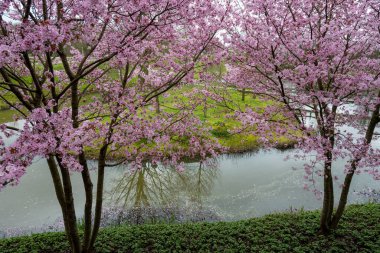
pixel 285 232
pixel 220 130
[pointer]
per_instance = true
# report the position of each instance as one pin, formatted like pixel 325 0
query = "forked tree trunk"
pixel 70 208
pixel 63 190
pixel 60 194
pixel 328 184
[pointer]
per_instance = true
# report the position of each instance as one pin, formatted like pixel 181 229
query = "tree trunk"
pixel 60 195
pixel 205 111
pixel 158 110
pixel 243 94
pixel 205 108
pixel 347 181
pixel 70 208
pixel 88 205
pixel 343 198
pixel 328 199
pixel 99 197
pixel 63 190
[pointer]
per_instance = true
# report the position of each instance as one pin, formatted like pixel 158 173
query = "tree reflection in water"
pixel 199 181
pixel 161 193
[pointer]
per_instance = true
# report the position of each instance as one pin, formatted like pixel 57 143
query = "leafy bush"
pixel 285 232
pixel 220 130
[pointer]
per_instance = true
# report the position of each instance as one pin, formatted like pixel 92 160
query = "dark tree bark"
pixel 328 198
pixel 374 120
pixel 99 196
pixel 158 109
pixel 243 94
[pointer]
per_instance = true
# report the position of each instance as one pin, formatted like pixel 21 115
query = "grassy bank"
pixel 284 232
pixel 216 115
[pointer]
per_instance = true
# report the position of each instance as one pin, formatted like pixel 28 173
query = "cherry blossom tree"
pixel 315 59
pixel 58 61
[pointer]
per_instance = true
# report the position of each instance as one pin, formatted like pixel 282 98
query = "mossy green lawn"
pixel 217 115
pixel 359 231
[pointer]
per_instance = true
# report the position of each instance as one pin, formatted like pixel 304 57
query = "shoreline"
pixel 283 146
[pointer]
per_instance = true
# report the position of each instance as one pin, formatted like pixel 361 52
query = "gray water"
pixel 233 187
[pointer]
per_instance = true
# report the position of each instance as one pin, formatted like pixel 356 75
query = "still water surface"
pixel 234 187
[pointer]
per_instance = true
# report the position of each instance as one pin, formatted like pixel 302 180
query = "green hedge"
pixel 286 232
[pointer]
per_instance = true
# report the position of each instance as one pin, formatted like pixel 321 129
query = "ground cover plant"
pixel 283 232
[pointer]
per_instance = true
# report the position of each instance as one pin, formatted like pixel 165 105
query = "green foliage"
pixel 284 232
pixel 220 130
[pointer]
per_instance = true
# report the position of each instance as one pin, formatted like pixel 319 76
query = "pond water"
pixel 233 187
